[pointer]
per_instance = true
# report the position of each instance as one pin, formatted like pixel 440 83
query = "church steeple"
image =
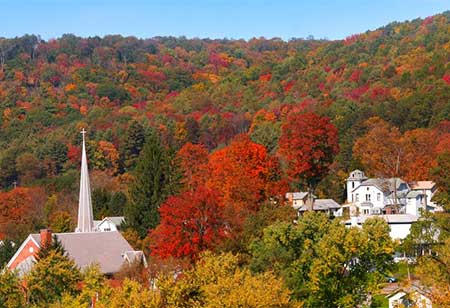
pixel 85 216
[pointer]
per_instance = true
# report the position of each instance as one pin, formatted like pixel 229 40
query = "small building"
pixel 109 224
pixel 400 224
pixel 328 206
pixel 409 297
pixel 298 200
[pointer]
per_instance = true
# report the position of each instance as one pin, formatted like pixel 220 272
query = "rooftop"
pixel 322 205
pixel 389 218
pixel 418 185
pixel 105 248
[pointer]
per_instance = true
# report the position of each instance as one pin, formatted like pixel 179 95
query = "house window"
pixel 353 184
pixel 357 197
pixel 378 197
pixel 367 197
pixel 365 212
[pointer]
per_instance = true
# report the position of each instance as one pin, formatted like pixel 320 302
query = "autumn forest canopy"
pixel 196 142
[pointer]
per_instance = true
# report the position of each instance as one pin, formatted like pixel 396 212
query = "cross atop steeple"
pixel 85 216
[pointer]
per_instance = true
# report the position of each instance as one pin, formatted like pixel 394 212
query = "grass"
pixel 379 301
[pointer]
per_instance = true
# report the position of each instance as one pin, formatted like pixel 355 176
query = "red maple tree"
pixel 308 144
pixel 190 223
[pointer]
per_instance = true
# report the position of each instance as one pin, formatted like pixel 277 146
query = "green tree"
pixel 100 202
pixel 133 143
pixel 11 293
pixel 324 263
pixel 7 250
pixel 219 281
pixel 154 180
pixel 51 277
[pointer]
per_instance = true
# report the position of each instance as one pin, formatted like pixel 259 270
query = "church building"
pixel 86 245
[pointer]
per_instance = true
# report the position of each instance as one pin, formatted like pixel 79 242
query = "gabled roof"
pixel 300 195
pixel 117 220
pixel 322 205
pixel 85 248
pixel 421 185
pixel 385 185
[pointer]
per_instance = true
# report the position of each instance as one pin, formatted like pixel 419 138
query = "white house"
pixel 108 224
pixel 298 200
pixel 400 224
pixel 376 196
pixel 409 297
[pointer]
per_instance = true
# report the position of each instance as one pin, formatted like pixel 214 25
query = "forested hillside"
pixel 208 91
pixel 196 141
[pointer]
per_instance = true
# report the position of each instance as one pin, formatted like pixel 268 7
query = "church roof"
pixel 107 249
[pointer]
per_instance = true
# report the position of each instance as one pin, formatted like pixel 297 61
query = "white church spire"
pixel 85 216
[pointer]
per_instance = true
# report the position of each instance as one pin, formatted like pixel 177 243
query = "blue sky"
pixel 331 19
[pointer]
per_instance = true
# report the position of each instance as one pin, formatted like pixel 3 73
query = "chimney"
pixel 46 237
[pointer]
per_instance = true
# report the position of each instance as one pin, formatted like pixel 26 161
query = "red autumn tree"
pixel 190 223
pixel 193 161
pixel 308 144
pixel 244 174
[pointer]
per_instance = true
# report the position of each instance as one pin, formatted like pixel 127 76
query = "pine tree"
pixel 7 251
pixel 11 294
pixel 133 144
pixel 154 181
pixel 54 246
pixel 53 276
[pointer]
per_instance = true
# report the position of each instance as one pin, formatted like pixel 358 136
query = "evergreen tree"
pixel 154 181
pixel 11 295
pixel 53 275
pixel 7 251
pixel 100 202
pixel 46 250
pixel 133 144
pixel 117 203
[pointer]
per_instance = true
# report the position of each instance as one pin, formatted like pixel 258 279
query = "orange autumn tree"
pixel 308 144
pixel 193 162
pixel 385 152
pixel 244 174
pixel 19 208
pixel 419 147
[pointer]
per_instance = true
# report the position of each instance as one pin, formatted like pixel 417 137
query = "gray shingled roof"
pixel 105 248
pixel 385 185
pixel 322 205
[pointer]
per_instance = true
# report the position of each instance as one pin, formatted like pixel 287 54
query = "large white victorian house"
pixel 375 196
pixel 394 200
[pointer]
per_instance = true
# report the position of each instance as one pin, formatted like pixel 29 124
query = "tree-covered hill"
pixel 207 91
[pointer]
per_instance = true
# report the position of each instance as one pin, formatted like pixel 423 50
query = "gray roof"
pixel 413 194
pixel 389 218
pixel 85 248
pixel 385 185
pixel 300 195
pixel 322 205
